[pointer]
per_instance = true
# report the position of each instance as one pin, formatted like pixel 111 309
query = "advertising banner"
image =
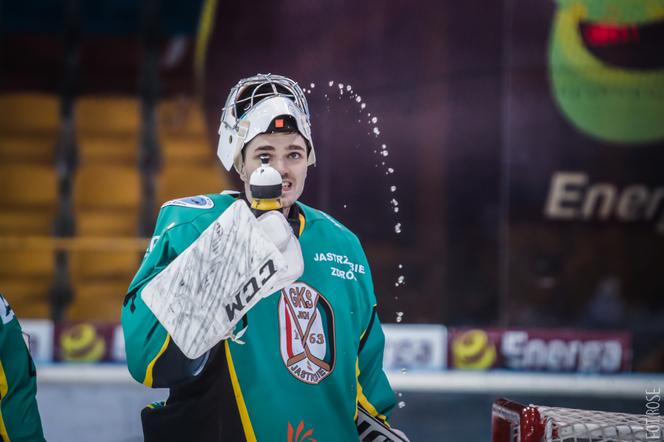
pixel 84 342
pixel 415 346
pixel 547 350
pixel 583 153
pixel 40 338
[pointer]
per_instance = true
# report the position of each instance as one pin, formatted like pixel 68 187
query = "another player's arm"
pixel 152 357
pixel 19 414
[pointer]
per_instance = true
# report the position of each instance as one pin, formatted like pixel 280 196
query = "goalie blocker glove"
pixel 207 289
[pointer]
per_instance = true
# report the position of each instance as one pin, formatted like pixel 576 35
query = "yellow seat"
pixel 33 310
pixel 180 115
pixel 29 112
pixel 104 265
pixel 186 149
pixel 177 182
pixel 105 148
pixel 190 164
pixel 29 297
pixel 107 187
pixel 27 186
pixel 100 222
pixel 26 221
pixel 113 115
pixel 106 192
pixel 26 263
pixel 29 129
pixel 35 148
pixel 98 301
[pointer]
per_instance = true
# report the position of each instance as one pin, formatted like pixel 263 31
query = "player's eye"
pixel 295 155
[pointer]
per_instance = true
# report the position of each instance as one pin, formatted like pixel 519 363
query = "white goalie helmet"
pixel 254 106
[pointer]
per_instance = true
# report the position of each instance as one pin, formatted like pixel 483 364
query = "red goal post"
pixel 514 422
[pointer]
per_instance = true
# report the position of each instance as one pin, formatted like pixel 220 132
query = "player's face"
pixel 288 155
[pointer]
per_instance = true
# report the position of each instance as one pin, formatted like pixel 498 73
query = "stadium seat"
pixel 106 193
pixel 99 223
pixel 28 135
pixel 98 300
pixel 110 115
pixel 180 181
pixel 107 196
pixel 190 166
pixel 186 149
pixel 108 148
pixel 104 265
pixel 103 186
pixel 27 186
pixel 180 115
pixel 27 148
pixel 26 263
pixel 29 113
pixel 28 295
pixel 26 221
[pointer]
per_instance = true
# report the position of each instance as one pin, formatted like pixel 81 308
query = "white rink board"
pixel 76 401
pixel 624 386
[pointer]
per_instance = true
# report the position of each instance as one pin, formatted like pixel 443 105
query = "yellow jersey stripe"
pixel 149 380
pixel 3 431
pixel 241 406
pixel 4 388
pixel 362 399
pixel 302 222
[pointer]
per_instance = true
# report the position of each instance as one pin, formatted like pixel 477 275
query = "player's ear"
pixel 243 168
pixel 243 174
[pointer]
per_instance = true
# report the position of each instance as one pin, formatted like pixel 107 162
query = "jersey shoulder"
pixel 191 208
pixel 320 219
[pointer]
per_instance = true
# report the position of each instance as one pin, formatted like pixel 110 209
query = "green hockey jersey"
pixel 273 386
pixel 19 415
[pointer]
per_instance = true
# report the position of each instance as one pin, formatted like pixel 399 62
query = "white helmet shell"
pixel 235 132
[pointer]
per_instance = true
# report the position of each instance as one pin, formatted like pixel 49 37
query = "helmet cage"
pixel 237 130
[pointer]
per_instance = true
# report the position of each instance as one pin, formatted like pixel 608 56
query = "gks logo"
pixel 306 338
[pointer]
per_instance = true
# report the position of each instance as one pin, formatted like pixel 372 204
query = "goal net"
pixel 514 422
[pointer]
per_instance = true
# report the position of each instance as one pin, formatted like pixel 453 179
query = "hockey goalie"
pixel 256 339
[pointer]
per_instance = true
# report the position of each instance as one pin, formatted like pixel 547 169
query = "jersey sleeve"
pixel 152 357
pixel 19 414
pixel 374 392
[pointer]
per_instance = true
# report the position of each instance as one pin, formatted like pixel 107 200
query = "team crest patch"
pixel 196 202
pixel 306 338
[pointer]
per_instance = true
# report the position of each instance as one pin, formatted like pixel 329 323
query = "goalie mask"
pixel 260 104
